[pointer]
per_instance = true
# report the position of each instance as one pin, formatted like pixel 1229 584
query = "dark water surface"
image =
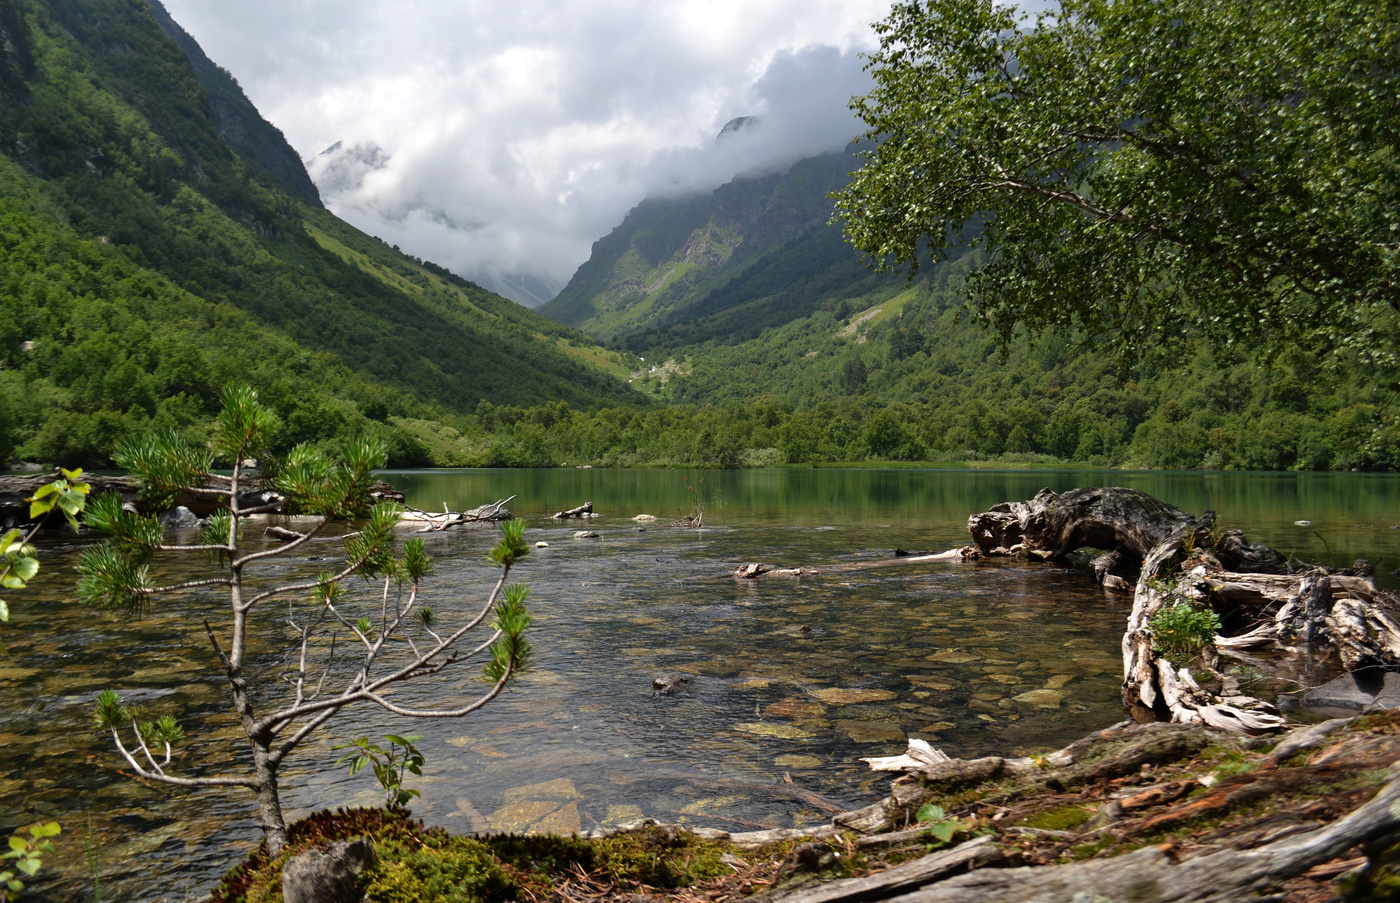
pixel 789 676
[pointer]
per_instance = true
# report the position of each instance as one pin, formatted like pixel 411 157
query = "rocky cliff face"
pixel 238 121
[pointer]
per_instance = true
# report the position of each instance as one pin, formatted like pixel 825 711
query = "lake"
pixel 796 677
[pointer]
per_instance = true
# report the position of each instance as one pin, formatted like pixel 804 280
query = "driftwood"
pixel 903 878
pixel 433 522
pixel 753 571
pixel 584 510
pixel 1226 876
pixel 1173 558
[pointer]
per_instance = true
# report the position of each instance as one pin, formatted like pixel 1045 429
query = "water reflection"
pixel 800 676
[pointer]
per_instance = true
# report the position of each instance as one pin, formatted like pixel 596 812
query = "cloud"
pixel 507 137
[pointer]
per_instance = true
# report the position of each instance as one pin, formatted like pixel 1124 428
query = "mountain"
pixel 238 121
pixel 755 253
pixel 159 243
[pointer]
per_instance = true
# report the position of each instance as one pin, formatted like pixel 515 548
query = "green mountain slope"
pixel 755 253
pixel 133 235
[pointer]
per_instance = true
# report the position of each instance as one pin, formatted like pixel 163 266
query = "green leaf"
pixel 24 567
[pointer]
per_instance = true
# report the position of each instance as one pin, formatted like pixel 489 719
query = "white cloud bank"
pixel 501 138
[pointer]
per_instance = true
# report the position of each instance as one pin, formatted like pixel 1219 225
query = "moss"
pixel 455 870
pixel 1065 818
pixel 1084 851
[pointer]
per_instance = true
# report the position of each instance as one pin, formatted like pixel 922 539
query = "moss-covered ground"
pixel 1187 791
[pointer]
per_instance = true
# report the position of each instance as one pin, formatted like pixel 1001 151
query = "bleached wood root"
pixel 919 756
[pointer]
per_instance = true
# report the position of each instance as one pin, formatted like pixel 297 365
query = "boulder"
pixel 329 875
pixel 1357 690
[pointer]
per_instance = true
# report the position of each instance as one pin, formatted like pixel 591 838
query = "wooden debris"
pixel 754 570
pixel 584 510
pixel 904 878
pixel 434 523
pixel 1184 562
pixel 919 755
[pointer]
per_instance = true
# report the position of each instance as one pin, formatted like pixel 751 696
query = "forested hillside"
pixel 757 252
pixel 799 353
pixel 145 262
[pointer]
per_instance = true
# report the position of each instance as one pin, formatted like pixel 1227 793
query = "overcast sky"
pixel 511 135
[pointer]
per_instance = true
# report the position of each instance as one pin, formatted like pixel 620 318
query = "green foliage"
pixel 25 856
pixel 510 652
pixel 455 870
pixel 145 266
pixel 115 573
pixel 1143 170
pixel 1181 630
pixel 389 765
pixel 939 827
pixel 69 495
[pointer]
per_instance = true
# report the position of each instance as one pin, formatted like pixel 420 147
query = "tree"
pixel 117 574
pixel 1144 168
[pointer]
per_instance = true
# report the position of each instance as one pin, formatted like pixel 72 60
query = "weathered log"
pixel 753 571
pixel 902 878
pixel 1318 605
pixel 1148 874
pixel 1127 521
pixel 584 510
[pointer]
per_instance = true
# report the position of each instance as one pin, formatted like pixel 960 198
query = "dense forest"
pixel 157 242
pixel 145 264
pixel 906 380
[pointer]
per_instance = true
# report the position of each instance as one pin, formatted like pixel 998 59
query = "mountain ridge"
pixel 673 262
pixel 113 160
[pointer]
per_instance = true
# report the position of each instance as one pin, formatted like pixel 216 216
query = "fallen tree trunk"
pixel 1177 559
pixel 584 510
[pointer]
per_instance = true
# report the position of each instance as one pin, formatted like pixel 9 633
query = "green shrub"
pixel 1182 630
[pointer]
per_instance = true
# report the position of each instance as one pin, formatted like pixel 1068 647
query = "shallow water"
pixel 798 676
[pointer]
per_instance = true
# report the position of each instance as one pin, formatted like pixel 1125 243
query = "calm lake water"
pixel 797 676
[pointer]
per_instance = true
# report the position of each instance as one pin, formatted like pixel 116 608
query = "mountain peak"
pixel 736 125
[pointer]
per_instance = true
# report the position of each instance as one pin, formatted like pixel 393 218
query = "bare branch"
pixel 280 550
pixel 215 781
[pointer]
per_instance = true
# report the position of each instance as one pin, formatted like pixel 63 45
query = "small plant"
pixel 389 765
pixel 1182 630
pixel 939 827
pixel 28 856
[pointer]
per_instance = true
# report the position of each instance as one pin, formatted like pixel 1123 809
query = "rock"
pixel 586 534
pixel 843 696
pixel 541 544
pixel 1354 690
pixel 180 518
pixel 669 685
pixel 645 518
pixel 1389 695
pixel 871 731
pixel 779 731
pixel 331 875
pixel 1044 698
